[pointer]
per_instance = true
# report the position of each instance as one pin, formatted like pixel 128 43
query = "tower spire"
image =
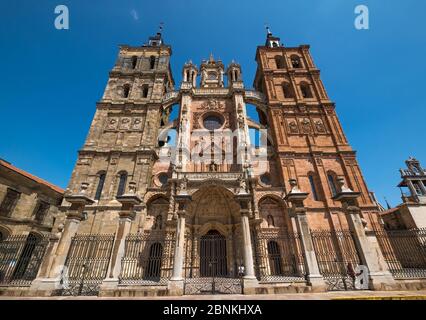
pixel 160 28
pixel 387 204
pixel 157 39
pixel 271 41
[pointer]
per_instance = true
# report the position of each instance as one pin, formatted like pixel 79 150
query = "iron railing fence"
pixel 404 251
pixel 278 256
pixel 337 256
pixel 86 265
pixel 20 259
pixel 148 258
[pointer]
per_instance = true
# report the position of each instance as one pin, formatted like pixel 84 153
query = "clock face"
pixel 212 76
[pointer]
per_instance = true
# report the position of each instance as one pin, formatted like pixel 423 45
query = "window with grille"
pixel 122 183
pixel 332 184
pixel 9 202
pixel 134 62
pixel 306 91
pixel 151 62
pixel 100 186
pixel 126 91
pixel 41 211
pixel 295 62
pixel 313 188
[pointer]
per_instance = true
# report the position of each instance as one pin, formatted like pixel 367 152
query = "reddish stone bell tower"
pixel 308 138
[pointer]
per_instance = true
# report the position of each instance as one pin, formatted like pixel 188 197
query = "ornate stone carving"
pixel 196 117
pixel 112 124
pixel 212 104
pixel 114 159
pixel 293 126
pixel 125 123
pixel 319 126
pixel 302 108
pixel 183 185
pixel 213 167
pixel 329 109
pixel 243 185
pixel 318 161
pixel 306 125
pixel 287 162
pixel 137 124
pixel 240 120
pixel 85 160
pixel 132 187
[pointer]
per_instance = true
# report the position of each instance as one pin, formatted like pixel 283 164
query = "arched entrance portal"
pixel 213 262
pixel 213 243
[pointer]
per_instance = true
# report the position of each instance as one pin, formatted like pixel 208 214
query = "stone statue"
pixel 240 120
pixel 243 185
pixel 183 185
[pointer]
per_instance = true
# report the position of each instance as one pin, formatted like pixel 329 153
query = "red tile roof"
pixel 389 211
pixel 30 176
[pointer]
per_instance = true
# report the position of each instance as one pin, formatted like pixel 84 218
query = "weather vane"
pixel 267 29
pixel 160 28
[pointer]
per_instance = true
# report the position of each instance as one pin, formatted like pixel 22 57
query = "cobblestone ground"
pixel 352 295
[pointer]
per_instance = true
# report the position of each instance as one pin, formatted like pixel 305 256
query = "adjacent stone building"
pixel 215 200
pixel 411 213
pixel 28 211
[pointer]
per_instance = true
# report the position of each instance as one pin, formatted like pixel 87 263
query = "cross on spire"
pixel 160 27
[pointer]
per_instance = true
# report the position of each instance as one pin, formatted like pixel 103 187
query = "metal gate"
pixel 148 258
pixel 337 257
pixel 87 264
pixel 206 266
pixel 20 259
pixel 404 251
pixel 278 256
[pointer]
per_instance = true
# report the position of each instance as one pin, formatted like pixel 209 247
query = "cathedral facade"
pixel 214 200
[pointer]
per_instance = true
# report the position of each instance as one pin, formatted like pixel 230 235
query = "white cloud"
pixel 134 14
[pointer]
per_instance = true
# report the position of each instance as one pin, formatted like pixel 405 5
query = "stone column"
pixel 74 217
pixel 249 279
pixel 298 212
pixel 412 189
pixel 367 246
pixel 126 217
pixel 422 187
pixel 176 281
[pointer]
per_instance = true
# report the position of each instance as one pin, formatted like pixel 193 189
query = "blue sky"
pixel 51 79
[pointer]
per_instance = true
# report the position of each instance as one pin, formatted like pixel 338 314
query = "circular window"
pixel 265 179
pixel 212 123
pixel 163 178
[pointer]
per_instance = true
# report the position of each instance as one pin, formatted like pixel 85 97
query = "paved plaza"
pixel 348 295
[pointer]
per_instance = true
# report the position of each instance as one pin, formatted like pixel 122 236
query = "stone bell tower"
pixel 120 149
pixel 123 134
pixel 313 151
pixel 307 133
